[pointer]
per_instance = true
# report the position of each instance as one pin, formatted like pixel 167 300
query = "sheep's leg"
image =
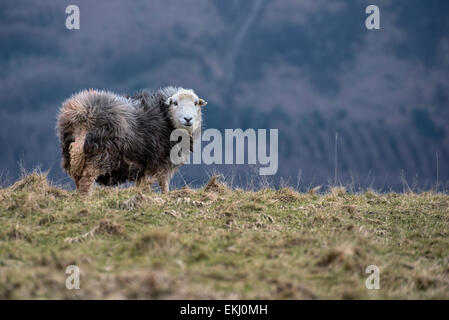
pixel 151 182
pixel 146 182
pixel 86 181
pixel 84 185
pixel 82 173
pixel 164 182
pixel 77 155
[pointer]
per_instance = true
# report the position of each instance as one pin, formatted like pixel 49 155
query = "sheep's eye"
pixel 175 103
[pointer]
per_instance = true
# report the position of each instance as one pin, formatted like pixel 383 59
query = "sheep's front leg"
pixel 164 182
pixel 146 182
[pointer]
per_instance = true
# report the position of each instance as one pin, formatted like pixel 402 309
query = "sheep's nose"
pixel 187 119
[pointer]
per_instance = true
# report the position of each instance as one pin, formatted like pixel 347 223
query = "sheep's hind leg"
pixel 83 173
pixel 146 183
pixel 164 182
pixel 85 183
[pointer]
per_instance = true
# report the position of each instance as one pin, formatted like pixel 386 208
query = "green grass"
pixel 216 242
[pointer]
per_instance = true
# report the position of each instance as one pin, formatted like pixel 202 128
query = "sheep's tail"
pixel 72 129
pixel 77 157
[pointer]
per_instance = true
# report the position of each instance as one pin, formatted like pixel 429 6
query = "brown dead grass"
pixel 17 232
pixel 154 238
pixel 216 185
pixel 105 227
pixel 287 195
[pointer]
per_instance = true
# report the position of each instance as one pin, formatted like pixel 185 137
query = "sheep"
pixel 111 139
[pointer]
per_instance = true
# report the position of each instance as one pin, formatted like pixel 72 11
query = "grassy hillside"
pixel 215 242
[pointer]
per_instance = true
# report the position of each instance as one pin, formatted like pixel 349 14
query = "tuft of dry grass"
pixel 217 242
pixel 104 227
pixel 133 202
pixel 154 238
pixel 16 232
pixel 215 185
pixel 35 181
pixel 287 195
pixel 345 255
pixel 338 191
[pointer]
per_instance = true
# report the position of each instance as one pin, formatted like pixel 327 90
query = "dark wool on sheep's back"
pixel 127 137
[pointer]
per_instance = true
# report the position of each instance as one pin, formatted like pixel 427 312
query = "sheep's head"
pixel 185 109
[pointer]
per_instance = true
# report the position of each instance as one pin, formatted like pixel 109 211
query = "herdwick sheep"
pixel 113 139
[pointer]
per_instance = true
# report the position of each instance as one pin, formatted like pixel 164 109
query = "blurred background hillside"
pixel 309 68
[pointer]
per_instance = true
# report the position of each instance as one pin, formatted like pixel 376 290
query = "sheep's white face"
pixel 185 109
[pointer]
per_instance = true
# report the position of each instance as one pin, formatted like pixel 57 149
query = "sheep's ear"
pixel 168 101
pixel 202 103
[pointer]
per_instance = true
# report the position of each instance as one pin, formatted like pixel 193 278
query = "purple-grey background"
pixel 309 68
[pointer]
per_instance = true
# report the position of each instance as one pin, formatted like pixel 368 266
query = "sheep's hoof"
pixel 83 193
pixel 84 189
